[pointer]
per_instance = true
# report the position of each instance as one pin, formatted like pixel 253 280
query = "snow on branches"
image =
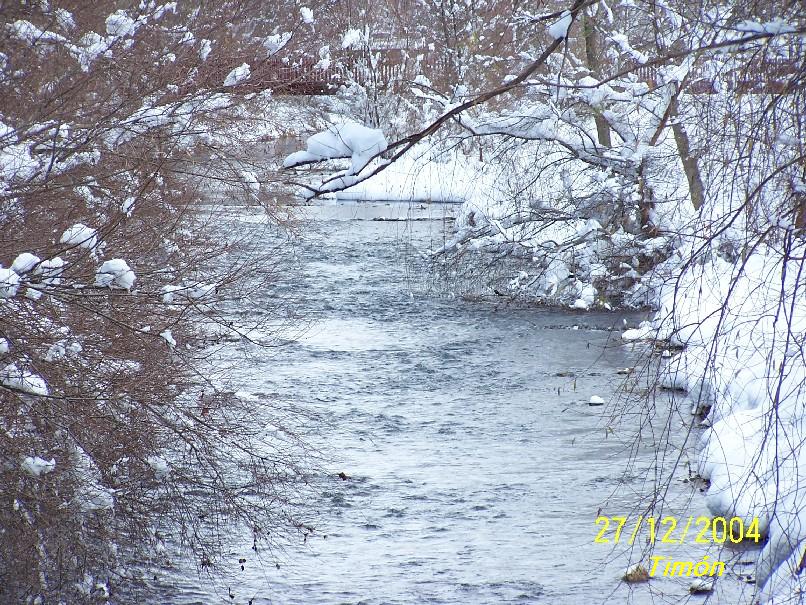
pixel 113 150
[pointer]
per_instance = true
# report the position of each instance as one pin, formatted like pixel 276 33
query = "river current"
pixel 475 466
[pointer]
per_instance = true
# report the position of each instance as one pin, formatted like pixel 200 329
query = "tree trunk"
pixel 594 65
pixel 692 170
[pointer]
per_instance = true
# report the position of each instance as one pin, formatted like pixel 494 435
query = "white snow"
pixel 3 346
pixel 80 235
pixel 250 179
pixel 198 291
pixel 127 207
pixel 205 48
pixel 701 585
pixel 23 380
pixel 306 14
pixel 238 75
pixel 168 293
pixel 596 400
pixel 559 29
pixel 96 497
pixel 774 27
pixel 36 466
pixel 276 42
pixel 64 18
pixel 9 283
pixel 120 24
pixel 16 163
pixel 586 296
pixel 410 179
pixel 169 338
pixel 644 331
pixel 345 140
pixel 325 59
pixel 24 263
pixel 50 270
pixel 726 319
pixel 351 37
pixel 115 273
pixel 159 466
pixel 201 291
pixel 55 352
pixel 624 44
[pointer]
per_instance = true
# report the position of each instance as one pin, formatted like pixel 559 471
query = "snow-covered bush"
pixel 112 161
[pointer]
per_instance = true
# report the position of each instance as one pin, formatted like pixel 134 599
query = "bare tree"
pixel 119 268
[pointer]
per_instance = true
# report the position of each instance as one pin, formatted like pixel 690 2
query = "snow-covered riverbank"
pixel 743 325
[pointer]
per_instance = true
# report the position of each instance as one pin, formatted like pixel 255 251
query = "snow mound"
pixel 50 270
pixel 644 331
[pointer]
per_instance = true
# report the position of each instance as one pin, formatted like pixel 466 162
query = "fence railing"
pixel 768 76
pixel 392 68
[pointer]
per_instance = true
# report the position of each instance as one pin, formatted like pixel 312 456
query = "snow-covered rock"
pixel 168 337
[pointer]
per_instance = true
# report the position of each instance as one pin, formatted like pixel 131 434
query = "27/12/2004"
pixel 674 530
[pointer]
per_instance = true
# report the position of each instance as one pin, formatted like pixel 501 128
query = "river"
pixel 475 466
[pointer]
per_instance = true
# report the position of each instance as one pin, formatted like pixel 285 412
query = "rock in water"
pixel 701 586
pixel 636 573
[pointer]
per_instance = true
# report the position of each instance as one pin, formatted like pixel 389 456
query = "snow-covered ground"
pixel 743 326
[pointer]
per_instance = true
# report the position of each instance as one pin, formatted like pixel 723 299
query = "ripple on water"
pixel 464 488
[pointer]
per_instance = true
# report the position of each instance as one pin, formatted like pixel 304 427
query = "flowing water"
pixel 475 465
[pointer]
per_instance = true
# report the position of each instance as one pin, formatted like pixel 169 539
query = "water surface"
pixel 476 466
